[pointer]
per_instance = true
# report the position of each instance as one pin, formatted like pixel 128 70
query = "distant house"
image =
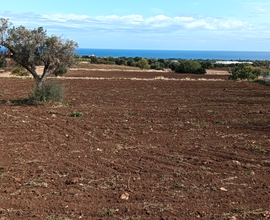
pixel 231 62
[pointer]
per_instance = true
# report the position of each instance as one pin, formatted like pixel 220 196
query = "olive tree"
pixel 31 47
pixel 143 64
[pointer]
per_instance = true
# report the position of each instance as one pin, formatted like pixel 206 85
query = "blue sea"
pixel 184 54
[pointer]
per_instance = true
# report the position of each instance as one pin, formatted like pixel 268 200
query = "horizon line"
pixel 175 50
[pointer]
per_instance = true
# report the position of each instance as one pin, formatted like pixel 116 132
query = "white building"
pixel 232 62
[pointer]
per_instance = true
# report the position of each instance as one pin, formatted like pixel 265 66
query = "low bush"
pixel 200 71
pixel 19 71
pixel 60 70
pixel 3 62
pixel 50 91
pixel 243 72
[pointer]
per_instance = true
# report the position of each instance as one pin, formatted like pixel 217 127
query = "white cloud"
pixel 162 21
pixel 65 18
pixel 128 22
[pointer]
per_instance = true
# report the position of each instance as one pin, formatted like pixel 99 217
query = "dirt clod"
pixel 125 196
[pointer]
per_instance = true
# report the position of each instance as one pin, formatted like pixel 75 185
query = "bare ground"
pixel 142 150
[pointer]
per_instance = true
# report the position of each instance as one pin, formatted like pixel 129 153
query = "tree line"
pixel 179 65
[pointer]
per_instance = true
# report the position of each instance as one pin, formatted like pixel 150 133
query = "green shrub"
pixel 20 71
pixel 244 72
pixel 50 91
pixel 3 62
pixel 143 64
pixel 76 114
pixel 20 101
pixel 200 71
pixel 189 66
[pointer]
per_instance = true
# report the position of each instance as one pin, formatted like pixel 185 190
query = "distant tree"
pixel 143 64
pixel 111 59
pixel 244 72
pixel 130 62
pixel 94 59
pixel 206 64
pixel 188 66
pixel 157 66
pixel 28 47
pixel 136 59
pixel 174 65
pixel 120 61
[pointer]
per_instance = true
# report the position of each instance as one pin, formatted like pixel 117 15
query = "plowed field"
pixel 141 150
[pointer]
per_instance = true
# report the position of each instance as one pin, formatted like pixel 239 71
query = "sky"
pixel 231 25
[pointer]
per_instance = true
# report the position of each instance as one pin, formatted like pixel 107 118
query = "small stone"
pixel 54 115
pixel 223 189
pixel 17 179
pixel 125 196
pixel 236 162
pixel 75 180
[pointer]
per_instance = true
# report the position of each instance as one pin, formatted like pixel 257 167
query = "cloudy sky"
pixel 236 25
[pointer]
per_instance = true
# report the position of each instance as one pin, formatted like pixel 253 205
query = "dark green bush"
pixel 157 66
pixel 94 59
pixel 189 66
pixel 130 62
pixel 174 65
pixel 3 62
pixel 50 91
pixel 244 72
pixel 60 70
pixel 200 71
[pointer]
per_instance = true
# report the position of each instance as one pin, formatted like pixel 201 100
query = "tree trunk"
pixel 40 82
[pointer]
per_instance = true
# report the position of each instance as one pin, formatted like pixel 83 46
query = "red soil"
pixel 141 150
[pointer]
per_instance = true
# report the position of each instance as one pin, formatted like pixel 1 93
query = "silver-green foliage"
pixel 265 73
pixel 31 47
pixel 49 91
pixel 244 72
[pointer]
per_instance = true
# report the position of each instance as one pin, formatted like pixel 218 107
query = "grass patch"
pixel 76 114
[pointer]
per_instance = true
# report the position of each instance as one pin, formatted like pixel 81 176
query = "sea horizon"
pixel 170 54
